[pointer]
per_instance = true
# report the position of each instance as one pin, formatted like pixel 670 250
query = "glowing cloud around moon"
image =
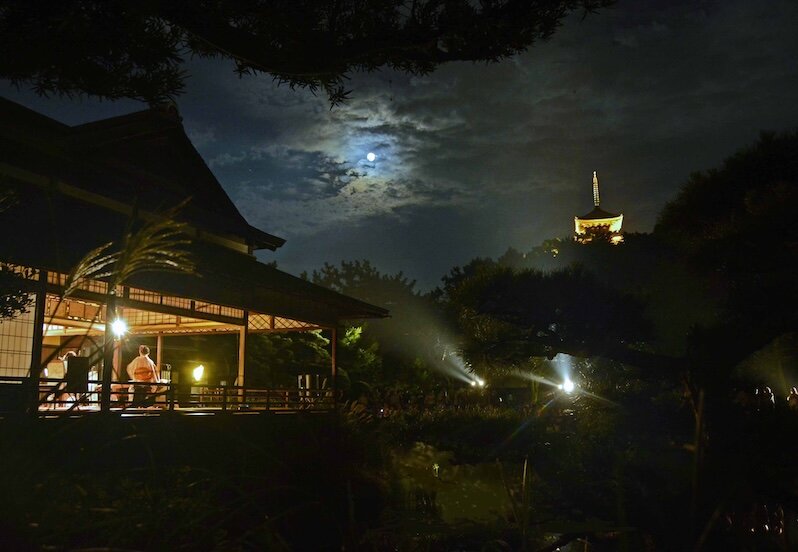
pixel 371 156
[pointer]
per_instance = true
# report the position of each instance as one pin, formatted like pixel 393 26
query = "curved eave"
pixel 259 239
pixel 614 223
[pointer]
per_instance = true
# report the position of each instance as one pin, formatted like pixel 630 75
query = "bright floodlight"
pixel 198 372
pixel 119 327
pixel 371 156
pixel 568 386
pixel 481 382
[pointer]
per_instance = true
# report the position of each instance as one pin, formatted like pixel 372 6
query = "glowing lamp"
pixel 119 327
pixel 198 372
pixel 568 386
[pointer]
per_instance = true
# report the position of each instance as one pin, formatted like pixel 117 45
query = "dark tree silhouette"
pixel 736 223
pixel 135 49
pixel 364 281
pixel 510 316
pixel 15 298
pixel 403 347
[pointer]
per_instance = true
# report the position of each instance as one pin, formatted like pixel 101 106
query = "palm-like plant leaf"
pixel 95 265
pixel 158 245
pixel 7 198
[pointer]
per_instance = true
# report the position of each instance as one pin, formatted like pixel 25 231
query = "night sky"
pixel 473 159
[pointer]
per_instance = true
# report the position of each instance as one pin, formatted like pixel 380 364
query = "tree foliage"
pixel 276 359
pixel 737 222
pixel 378 352
pixel 404 347
pixel 135 49
pixel 364 281
pixel 510 316
pixel 15 296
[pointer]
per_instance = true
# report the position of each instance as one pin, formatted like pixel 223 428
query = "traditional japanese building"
pixel 598 223
pixel 100 191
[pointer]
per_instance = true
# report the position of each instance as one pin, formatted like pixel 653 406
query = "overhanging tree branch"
pixel 134 48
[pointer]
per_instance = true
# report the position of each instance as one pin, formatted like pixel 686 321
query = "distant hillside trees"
pixel 401 349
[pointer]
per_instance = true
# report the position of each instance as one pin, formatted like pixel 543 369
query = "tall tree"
pixel 402 347
pixel 136 49
pixel 737 221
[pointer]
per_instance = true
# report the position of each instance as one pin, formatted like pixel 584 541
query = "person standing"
pixel 142 370
pixel 768 400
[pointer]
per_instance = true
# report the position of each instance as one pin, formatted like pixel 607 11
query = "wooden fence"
pixel 62 396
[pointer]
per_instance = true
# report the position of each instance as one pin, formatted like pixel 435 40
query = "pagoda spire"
pixel 596 199
pixel 598 223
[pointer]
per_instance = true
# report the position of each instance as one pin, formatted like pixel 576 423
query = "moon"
pixel 371 156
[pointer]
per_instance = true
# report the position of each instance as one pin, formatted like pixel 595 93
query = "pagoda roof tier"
pixel 598 214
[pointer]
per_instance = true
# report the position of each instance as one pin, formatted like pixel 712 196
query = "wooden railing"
pixel 59 395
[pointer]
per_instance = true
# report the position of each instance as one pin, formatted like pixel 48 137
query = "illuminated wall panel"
pixel 267 322
pixel 16 343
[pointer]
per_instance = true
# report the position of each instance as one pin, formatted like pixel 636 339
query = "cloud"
pixel 309 172
pixel 201 136
pixel 474 158
pixel 504 153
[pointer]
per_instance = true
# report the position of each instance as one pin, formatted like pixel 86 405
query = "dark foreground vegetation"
pixel 619 477
pixel 186 483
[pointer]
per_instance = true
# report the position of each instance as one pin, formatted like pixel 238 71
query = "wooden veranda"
pixel 77 189
pixel 81 323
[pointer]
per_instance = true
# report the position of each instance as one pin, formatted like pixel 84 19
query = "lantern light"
pixel 119 327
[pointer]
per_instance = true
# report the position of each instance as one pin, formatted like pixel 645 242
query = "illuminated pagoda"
pixel 598 223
